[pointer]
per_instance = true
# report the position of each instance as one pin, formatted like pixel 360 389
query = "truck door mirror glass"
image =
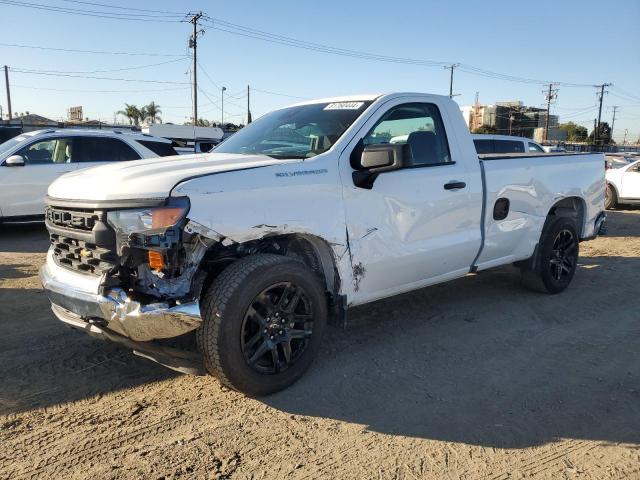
pixel 376 159
pixel 14 161
pixel 382 157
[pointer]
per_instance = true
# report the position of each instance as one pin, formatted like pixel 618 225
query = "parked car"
pixel 31 161
pixel 554 149
pixel 486 144
pixel 623 182
pixel 187 139
pixel 254 248
pixel 617 160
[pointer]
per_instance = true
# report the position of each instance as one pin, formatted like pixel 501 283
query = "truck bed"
pixel 531 182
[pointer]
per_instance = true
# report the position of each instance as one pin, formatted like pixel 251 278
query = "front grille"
pixel 81 255
pixel 81 239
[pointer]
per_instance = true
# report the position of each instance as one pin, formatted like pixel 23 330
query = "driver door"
pixel 631 182
pixel 24 187
pixel 412 227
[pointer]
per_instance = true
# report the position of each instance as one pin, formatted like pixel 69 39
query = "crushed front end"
pixel 128 272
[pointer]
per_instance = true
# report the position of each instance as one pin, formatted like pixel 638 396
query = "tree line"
pixel 138 115
pixel 151 113
pixel 575 132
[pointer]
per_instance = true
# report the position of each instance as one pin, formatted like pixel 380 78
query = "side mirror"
pixel 376 159
pixel 14 161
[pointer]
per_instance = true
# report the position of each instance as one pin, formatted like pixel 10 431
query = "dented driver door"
pixel 417 225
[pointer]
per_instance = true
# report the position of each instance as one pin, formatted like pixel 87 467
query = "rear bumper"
pixel 79 294
pixel 599 226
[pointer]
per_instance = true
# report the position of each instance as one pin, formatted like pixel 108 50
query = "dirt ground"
pixel 477 378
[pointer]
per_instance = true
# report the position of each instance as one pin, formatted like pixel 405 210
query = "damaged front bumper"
pixel 79 295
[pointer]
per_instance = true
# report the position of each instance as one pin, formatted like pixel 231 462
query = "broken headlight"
pixel 147 223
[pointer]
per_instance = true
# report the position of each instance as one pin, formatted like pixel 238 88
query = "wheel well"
pixel 615 189
pixel 311 250
pixel 570 207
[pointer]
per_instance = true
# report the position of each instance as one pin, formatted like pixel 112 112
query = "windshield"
pixel 9 144
pixel 295 132
pixel 619 161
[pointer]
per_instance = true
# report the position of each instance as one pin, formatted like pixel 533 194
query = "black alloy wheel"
pixel 563 255
pixel 277 328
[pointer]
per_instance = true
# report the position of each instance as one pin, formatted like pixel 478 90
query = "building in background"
pixel 31 121
pixel 511 118
pixel 74 114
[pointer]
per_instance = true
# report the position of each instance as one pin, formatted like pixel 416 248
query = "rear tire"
pixel 554 264
pixel 611 198
pixel 263 321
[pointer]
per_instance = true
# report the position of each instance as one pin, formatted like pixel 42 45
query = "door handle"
pixel 453 185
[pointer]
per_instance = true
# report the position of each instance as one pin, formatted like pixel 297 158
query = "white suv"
pixel 31 161
pixel 490 144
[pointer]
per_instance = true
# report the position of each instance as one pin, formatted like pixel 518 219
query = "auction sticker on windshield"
pixel 344 106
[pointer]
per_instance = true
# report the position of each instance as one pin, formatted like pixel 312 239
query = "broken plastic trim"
pixel 148 322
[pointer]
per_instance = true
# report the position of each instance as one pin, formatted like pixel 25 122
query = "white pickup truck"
pixel 232 262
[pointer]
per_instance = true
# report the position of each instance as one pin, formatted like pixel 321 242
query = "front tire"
pixel 610 198
pixel 552 270
pixel 263 321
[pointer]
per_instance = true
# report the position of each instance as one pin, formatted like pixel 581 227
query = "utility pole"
pixel 6 80
pixel 551 95
pixel 222 121
pixel 613 122
pixel 193 43
pixel 451 67
pixel 624 139
pixel 601 95
pixel 248 107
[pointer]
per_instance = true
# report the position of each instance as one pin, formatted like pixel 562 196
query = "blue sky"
pixel 581 42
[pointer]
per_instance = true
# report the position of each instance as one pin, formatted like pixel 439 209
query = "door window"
pixel 419 127
pixel 484 146
pixel 508 146
pixel 44 152
pixel 101 149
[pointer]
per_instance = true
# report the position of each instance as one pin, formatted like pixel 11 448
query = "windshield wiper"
pixel 283 157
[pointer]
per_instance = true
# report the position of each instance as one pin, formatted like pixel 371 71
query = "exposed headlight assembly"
pixel 147 226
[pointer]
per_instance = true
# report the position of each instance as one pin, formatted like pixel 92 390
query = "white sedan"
pixel 623 184
pixel 31 161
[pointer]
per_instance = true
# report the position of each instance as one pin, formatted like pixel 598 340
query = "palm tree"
pixel 142 115
pixel 132 113
pixel 152 110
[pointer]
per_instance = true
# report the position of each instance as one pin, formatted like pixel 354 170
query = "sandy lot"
pixel 477 378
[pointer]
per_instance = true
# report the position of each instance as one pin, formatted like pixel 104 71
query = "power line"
pixel 38 72
pixel 75 90
pixel 268 92
pixel 25 70
pixel 241 30
pixel 94 52
pixel 123 8
pixel 89 13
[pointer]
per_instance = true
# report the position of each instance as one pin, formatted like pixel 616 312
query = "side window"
pixel 101 149
pixel 52 150
pixel 419 127
pixel 534 147
pixel 159 148
pixel 508 146
pixel 484 146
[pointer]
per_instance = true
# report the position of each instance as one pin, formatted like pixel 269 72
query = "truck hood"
pixel 149 178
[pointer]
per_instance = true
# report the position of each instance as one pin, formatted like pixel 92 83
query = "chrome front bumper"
pixel 76 295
